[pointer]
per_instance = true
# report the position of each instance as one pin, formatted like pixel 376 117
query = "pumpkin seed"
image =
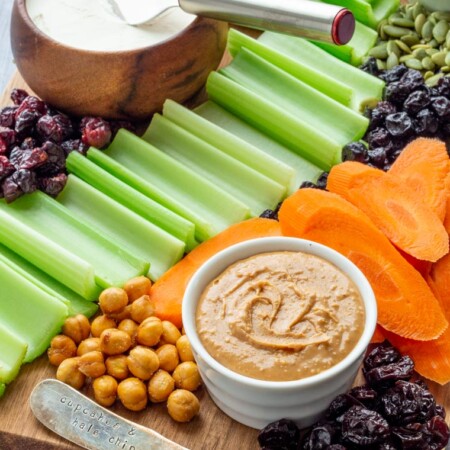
pixel 402 46
pixel 401 22
pixel 427 63
pixel 419 46
pixel 414 63
pixel 427 30
pixel 417 9
pixel 428 74
pixel 410 39
pixel 392 47
pixel 432 81
pixel 442 15
pixel 433 43
pixel 405 58
pixel 439 58
pixel 440 31
pixel 409 14
pixel 447 59
pixel 445 69
pixel 380 51
pixel 420 53
pixel 392 61
pixel 396 32
pixel 381 64
pixel 432 51
pixel 419 22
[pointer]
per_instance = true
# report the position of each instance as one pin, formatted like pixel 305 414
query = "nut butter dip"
pixel 280 316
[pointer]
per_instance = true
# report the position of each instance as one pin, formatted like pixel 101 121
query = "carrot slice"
pixel 379 335
pixel 423 267
pixel 423 166
pixel 406 305
pixel 447 204
pixel 399 214
pixel 168 291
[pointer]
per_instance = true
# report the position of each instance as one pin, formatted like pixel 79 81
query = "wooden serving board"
pixel 212 429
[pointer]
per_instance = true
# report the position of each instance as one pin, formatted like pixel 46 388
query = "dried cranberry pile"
pixel 390 412
pixel 35 140
pixel 410 109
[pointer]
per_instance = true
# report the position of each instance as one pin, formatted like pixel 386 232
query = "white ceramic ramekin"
pixel 257 402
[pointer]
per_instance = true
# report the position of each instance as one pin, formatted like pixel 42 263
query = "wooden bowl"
pixel 119 85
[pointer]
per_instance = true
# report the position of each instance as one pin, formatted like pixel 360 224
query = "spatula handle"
pixel 313 20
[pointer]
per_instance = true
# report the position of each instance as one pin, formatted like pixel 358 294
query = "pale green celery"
pixel 303 169
pixel 177 185
pixel 323 114
pixel 113 265
pixel 12 354
pixel 29 312
pixel 229 143
pixel 44 253
pixel 124 227
pixel 273 120
pixel 147 208
pixel 353 52
pixel 250 187
pixel 2 389
pixel 369 13
pixel 323 82
pixel 367 88
pixel 75 303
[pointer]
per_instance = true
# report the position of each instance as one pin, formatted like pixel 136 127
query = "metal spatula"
pixel 310 19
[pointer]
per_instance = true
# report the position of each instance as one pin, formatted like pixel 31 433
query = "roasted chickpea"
pixel 187 376
pixel 92 364
pixel 123 314
pixel 105 390
pixel 142 362
pixel 160 386
pixel 183 405
pixel 77 328
pixel 170 334
pixel 114 342
pixel 168 357
pixel 184 349
pixel 113 300
pixel 142 308
pixel 133 394
pixel 100 324
pixel 61 347
pixel 130 327
pixel 117 367
pixel 68 373
pixel 137 287
pixel 89 345
pixel 149 331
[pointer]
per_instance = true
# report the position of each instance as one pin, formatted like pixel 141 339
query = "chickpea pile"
pixel 129 353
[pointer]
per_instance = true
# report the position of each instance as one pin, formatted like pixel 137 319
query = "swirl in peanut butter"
pixel 280 316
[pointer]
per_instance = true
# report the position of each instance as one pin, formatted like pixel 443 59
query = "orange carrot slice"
pixel 423 267
pixel 379 335
pixel 168 291
pixel 406 305
pixel 447 204
pixel 399 214
pixel 423 166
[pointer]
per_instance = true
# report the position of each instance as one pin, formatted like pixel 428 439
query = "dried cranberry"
pixel 18 96
pixel 26 121
pixel 32 103
pixel 426 122
pixel 53 185
pixel 377 157
pixel 116 125
pixel 6 168
pixel 380 112
pixel 364 394
pixel 56 161
pixel 28 144
pixel 340 405
pixel 282 434
pixel 399 124
pixel 379 137
pixel 436 433
pixel 8 116
pixel 320 437
pixel 322 180
pixel 443 87
pixel 355 151
pixel 408 439
pixel 96 132
pixel 386 375
pixel 55 128
pixel 362 426
pixel 413 79
pixel 396 92
pixel 25 179
pixel 440 411
pixel 416 101
pixel 27 159
pixel 381 355
pixel 4 147
pixel 441 106
pixel 336 447
pixel 370 66
pixel 394 74
pixel 11 190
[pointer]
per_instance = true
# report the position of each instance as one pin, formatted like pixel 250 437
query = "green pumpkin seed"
pixel 427 30
pixel 427 63
pixel 419 22
pixel 414 63
pixel 442 15
pixel 445 69
pixel 432 81
pixel 402 22
pixel 447 59
pixel 409 14
pixel 417 9
pixel 420 53
pixel 428 74
pixel 410 39
pixel 396 32
pixel 381 64
pixel 432 51
pixel 440 31
pixel 392 47
pixel 402 46
pixel 405 58
pixel 447 40
pixel 392 61
pixel 439 58
pixel 433 43
pixel 379 52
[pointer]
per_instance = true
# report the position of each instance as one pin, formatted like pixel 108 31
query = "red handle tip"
pixel 343 27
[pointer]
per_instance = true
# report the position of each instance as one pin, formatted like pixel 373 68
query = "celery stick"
pixel 178 187
pixel 2 389
pixel 252 188
pixel 113 265
pixel 304 170
pixel 75 303
pixel 362 41
pixel 367 88
pixel 321 81
pixel 323 114
pixel 12 353
pixel 29 312
pixel 229 143
pixel 129 230
pixel 274 120
pixel 147 208
pixel 64 266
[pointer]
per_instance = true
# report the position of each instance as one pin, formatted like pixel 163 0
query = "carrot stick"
pixel 423 166
pixel 406 305
pixel 407 222
pixel 168 291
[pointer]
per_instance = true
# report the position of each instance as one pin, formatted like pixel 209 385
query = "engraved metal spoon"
pixel 75 417
pixel 310 19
